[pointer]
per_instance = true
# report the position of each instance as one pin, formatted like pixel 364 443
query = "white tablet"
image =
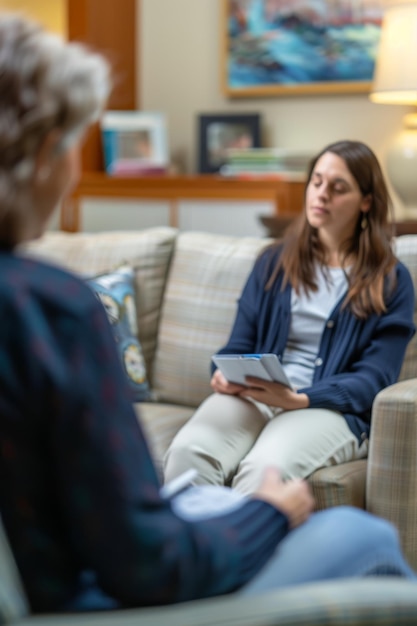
pixel 235 367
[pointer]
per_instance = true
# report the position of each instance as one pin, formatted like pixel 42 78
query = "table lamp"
pixel 395 82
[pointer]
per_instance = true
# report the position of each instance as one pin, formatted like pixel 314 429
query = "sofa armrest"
pixel 391 488
pixel 363 602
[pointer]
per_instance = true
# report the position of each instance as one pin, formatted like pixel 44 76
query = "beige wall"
pixel 50 13
pixel 179 52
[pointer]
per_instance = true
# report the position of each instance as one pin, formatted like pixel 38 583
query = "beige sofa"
pixel 187 284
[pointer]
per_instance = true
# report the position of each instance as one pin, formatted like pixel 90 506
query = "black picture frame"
pixel 219 132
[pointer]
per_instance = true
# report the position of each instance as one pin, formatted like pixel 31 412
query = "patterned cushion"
pixel 206 277
pixel 148 252
pixel 116 292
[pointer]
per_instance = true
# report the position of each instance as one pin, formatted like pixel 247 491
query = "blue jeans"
pixel 341 542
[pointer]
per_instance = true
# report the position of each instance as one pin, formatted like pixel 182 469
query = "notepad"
pixel 235 367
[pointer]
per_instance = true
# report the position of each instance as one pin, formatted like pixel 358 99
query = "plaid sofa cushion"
pixel 161 422
pixel 340 485
pixel 148 252
pixel 206 277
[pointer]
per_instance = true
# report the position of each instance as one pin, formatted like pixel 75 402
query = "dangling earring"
pixel 364 222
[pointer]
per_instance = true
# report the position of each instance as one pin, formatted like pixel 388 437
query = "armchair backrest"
pixel 13 603
pixel 406 250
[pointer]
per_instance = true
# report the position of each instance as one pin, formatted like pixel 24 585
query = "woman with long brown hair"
pixel 336 306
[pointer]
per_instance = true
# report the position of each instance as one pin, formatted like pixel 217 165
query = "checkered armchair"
pixel 385 483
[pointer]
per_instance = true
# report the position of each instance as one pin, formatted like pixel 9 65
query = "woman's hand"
pixel 274 394
pixel 220 385
pixel 293 498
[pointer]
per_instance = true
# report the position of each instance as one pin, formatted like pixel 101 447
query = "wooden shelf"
pixel 276 225
pixel 285 193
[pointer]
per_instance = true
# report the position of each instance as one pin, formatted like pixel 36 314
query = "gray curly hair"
pixel 45 84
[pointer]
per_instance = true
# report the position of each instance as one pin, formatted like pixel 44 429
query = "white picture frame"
pixel 134 142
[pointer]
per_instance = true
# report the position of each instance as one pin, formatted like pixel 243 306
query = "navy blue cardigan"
pixel 356 359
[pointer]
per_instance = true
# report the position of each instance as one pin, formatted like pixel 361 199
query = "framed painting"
pixel 291 47
pixel 217 134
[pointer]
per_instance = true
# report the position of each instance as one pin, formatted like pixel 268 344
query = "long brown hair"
pixel 371 258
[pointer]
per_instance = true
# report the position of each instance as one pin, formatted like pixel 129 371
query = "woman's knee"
pixel 181 457
pixel 197 446
pixel 220 433
pixel 252 468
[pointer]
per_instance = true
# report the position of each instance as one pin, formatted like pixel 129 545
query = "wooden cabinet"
pixel 285 194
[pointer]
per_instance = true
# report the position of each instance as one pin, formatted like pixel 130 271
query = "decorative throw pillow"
pixel 116 292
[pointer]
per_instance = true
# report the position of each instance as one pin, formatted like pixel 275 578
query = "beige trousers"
pixel 230 440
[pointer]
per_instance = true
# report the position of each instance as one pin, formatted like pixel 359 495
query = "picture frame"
pixel 299 47
pixel 134 143
pixel 217 133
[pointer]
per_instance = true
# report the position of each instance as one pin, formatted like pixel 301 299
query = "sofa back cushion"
pixel 89 254
pixel 206 277
pixel 406 250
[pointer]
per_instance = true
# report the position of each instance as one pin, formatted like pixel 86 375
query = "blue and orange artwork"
pixel 301 43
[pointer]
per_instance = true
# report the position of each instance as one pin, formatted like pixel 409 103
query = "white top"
pixel 309 314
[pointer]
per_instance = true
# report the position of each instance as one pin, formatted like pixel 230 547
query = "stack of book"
pixel 266 163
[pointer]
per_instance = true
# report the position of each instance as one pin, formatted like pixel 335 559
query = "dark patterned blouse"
pixel 79 493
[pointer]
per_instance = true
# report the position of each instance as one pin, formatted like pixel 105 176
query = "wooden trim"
pixel 224 47
pixel 300 90
pixel 405 227
pixel 256 39
pixel 108 27
pixel 276 224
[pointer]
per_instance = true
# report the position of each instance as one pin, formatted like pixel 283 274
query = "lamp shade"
pixel 395 76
